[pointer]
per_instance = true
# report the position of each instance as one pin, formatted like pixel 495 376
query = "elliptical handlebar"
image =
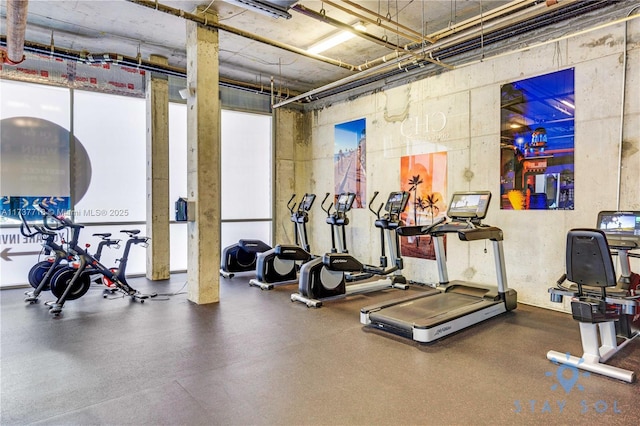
pixel 328 210
pixel 290 206
pixel 377 213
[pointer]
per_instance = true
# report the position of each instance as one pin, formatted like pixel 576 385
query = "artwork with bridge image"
pixel 350 160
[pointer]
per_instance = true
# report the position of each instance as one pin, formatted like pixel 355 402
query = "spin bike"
pixel 133 238
pixel 40 274
pixel 72 282
pixel 329 277
pixel 279 266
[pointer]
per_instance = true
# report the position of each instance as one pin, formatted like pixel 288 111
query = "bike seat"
pixel 131 231
pixel 104 235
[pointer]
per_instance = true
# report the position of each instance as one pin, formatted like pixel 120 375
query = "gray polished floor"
pixel 256 358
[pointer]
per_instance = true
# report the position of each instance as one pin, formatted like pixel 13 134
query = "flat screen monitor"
pixel 307 202
pixel 618 225
pixel 397 202
pixel 345 201
pixel 469 205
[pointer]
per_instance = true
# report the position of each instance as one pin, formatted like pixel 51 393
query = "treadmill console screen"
pixel 469 205
pixel 397 202
pixel 345 201
pixel 620 226
pixel 307 202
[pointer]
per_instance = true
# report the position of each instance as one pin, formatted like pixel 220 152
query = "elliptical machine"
pixel 241 257
pixel 338 220
pixel 327 278
pixel 279 266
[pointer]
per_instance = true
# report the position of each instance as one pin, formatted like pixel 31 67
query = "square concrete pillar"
pixel 203 164
pixel 158 252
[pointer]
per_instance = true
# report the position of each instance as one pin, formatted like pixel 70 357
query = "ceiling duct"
pixel 16 28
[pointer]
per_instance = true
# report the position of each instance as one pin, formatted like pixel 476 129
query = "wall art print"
pixel 537 143
pixel 425 177
pixel 350 160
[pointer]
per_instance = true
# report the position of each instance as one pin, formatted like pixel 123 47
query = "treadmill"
pixel 452 305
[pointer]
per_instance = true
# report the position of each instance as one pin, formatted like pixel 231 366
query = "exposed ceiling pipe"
pixel 397 50
pixel 469 30
pixel 505 10
pixel 409 34
pixel 388 19
pixel 345 27
pixel 129 61
pixel 402 62
pixel 16 29
pixel 202 20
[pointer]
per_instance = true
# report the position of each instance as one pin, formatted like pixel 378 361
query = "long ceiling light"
pixel 264 7
pixel 335 39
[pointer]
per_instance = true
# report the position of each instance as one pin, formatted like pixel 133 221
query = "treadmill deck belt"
pixel 430 311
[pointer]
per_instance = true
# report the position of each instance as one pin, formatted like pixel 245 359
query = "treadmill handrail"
pixel 411 230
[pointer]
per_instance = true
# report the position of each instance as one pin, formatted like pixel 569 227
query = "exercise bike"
pixel 133 238
pixel 279 266
pixel 331 276
pixel 72 282
pixel 605 316
pixel 40 274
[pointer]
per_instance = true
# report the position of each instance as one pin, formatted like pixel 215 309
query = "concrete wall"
pixel 469 96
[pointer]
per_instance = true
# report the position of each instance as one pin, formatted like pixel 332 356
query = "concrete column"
pixel 203 164
pixel 157 92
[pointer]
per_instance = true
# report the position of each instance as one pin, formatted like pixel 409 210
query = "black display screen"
pixel 469 205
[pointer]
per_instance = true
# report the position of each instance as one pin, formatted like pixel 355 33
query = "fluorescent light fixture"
pixel 335 40
pixel 265 7
pixel 567 103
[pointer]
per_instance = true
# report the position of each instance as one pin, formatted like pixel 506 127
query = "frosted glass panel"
pixel 177 155
pixel 34 142
pixel 34 100
pixel 113 131
pixel 246 165
pixel 234 231
pixel 178 233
